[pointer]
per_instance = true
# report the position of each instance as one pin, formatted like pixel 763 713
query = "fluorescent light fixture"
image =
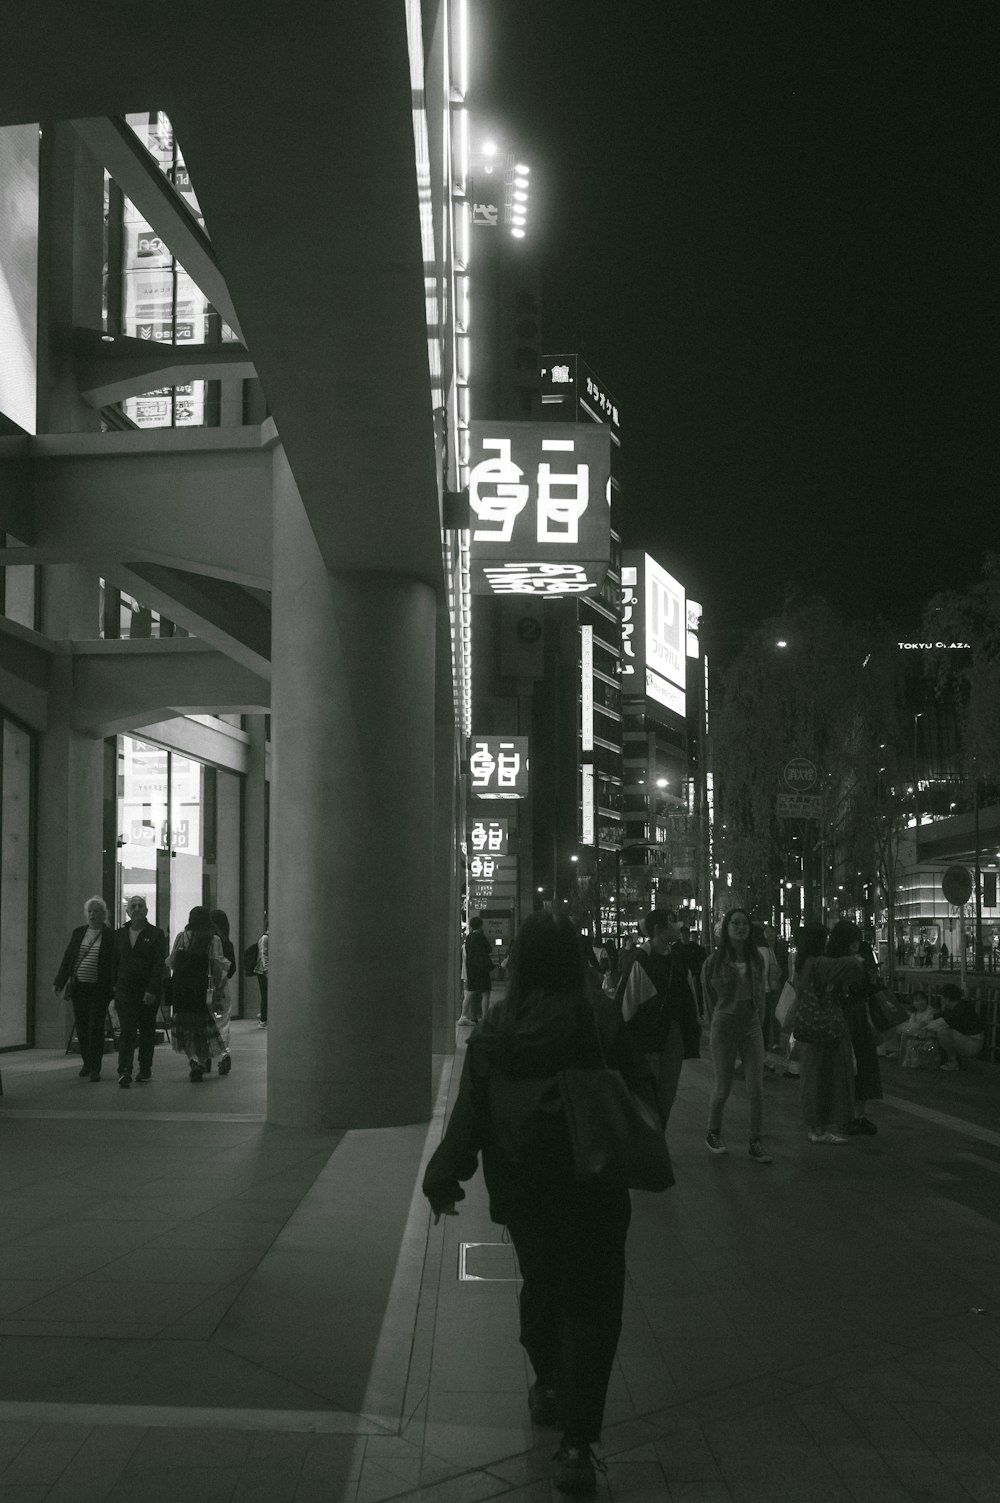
pixel 489 148
pixel 518 234
pixel 520 167
pixel 519 197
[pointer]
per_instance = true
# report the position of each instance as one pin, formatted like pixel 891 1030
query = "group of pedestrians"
pixel 568 1229
pixel 131 967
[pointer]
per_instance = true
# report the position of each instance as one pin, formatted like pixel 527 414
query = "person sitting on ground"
pixel 921 1014
pixel 958 1028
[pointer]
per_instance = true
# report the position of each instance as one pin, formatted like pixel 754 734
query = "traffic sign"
pixel 799 774
pixel 800 805
pixel 956 884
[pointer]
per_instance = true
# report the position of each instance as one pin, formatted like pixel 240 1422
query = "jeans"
pixel 737 1032
pixel 90 1011
pixel 262 983
pixel 570 1246
pixel 138 1020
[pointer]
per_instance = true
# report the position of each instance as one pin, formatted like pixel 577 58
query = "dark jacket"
pixel 137 969
pixel 656 993
pixel 104 960
pixel 509 1109
pixel 478 962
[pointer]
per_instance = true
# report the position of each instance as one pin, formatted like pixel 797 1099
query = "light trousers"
pixel 737 1032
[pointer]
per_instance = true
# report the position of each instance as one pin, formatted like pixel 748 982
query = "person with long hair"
pixel 222 1004
pixel 197 966
pixel 569 1235
pixel 735 981
pixel 827 1081
pixel 846 939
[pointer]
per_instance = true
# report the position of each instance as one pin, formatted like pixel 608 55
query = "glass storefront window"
pixel 143 783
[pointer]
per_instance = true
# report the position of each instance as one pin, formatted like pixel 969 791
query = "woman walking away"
pixel 569 1234
pixel 735 981
pixel 827 1088
pixel 222 1002
pixel 845 939
pixel 85 972
pixel 197 966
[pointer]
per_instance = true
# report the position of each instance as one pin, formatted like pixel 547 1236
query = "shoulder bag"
pixel 819 1018
pixel 885 1011
pixel 614 1136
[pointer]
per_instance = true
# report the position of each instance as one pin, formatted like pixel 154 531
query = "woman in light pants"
pixel 735 981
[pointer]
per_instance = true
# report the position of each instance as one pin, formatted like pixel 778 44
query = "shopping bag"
pixel 785 1010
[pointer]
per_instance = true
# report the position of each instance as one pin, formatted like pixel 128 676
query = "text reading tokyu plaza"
pixel 540 500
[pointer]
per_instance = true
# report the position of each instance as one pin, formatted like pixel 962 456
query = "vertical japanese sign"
pixel 498 766
pixel 587 688
pixel 654 632
pixel 588 822
pixel 540 502
pixel 488 837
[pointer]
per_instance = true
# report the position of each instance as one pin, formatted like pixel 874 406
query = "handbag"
pixel 785 1009
pixel 615 1137
pixel 885 1011
pixel 920 1054
pixel 81 956
pixel 819 1020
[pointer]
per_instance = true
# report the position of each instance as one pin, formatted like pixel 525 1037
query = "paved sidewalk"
pixel 196 1306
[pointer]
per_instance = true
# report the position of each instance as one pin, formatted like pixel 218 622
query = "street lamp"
pixel 916 781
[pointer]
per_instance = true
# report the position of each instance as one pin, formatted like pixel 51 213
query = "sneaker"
pixel 792 1074
pixel 261 1023
pixel 867 1126
pixel 196 1074
pixel 225 1064
pixel 124 1079
pixel 853 1128
pixel 84 1072
pixel 826 1137
pixel 95 1076
pixel 574 1470
pixel 714 1143
pixel 949 1064
pixel 757 1152
pixel 143 1076
pixel 542 1406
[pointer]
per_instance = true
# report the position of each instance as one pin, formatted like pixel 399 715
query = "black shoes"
pixel 225 1064
pixel 143 1076
pixel 84 1072
pixel 861 1125
pixel 208 1066
pixel 95 1076
pixel 124 1080
pixel 197 1074
pixel 542 1406
pixel 573 1471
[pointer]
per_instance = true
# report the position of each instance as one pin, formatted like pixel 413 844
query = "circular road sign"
pixel 799 774
pixel 956 884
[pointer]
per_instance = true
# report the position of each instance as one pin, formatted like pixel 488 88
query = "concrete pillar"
pixel 69 866
pixel 352 746
pixel 446 934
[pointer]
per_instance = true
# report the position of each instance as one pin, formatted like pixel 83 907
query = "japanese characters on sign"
pixel 540 497
pixel 498 766
pixel 588 823
pixel 586 688
pixel 488 837
pixel 800 805
pixel 654 631
pixel 569 383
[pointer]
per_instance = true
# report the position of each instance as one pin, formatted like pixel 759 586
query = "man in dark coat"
pixel 138 958
pixel 478 965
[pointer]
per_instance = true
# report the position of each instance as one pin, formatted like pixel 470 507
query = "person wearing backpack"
pixel 659 1007
pixel 569 1233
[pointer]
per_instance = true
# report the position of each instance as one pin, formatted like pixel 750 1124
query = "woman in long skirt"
pixel 827 1083
pixel 197 966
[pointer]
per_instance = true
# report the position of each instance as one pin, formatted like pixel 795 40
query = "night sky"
pixel 771 230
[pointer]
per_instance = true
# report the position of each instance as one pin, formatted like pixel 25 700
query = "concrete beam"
pixel 16 494
pixel 25 673
pixel 118 148
pixel 118 686
pixel 110 368
pixel 216 611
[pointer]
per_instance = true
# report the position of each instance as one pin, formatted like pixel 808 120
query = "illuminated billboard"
pixel 540 507
pixel 498 766
pixel 19 273
pixel 654 633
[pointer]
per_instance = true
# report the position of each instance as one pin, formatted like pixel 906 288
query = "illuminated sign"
pixel 694 615
pixel 498 766
pixel 587 688
pixel 19 273
pixel 488 836
pixel 587 397
pixel 540 501
pixel 934 646
pixel 654 632
pixel 588 834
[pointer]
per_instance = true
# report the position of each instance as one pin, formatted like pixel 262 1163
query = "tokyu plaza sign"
pixel 540 503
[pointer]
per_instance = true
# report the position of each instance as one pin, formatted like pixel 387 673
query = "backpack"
pixel 251 958
pixel 819 1017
